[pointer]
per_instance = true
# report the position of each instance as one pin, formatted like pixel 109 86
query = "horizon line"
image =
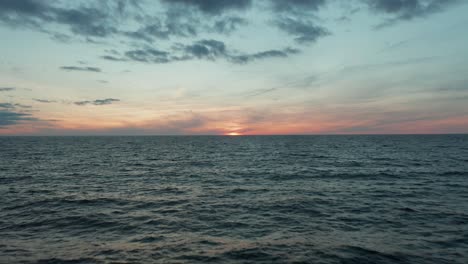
pixel 256 135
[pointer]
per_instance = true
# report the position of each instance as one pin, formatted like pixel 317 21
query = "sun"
pixel 234 134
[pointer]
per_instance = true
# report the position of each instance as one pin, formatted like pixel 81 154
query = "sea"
pixel 225 199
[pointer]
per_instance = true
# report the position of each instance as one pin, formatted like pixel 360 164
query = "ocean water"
pixel 291 199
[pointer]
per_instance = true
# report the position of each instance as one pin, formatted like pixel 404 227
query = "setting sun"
pixel 233 134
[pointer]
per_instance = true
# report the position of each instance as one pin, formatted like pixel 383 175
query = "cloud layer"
pixel 140 23
pixel 8 118
pixel 77 68
pixel 98 102
pixel 12 113
pixel 7 89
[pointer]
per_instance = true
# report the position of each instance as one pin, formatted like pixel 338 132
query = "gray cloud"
pixel 228 25
pixel 91 21
pixel 97 102
pixel 207 49
pixel 44 101
pixel 214 7
pixel 265 54
pixel 13 106
pixel 22 106
pixel 77 68
pixel 102 19
pixel 295 18
pixel 297 5
pixel 304 31
pixel 407 9
pixel 174 24
pixel 7 89
pixel 112 58
pixel 182 24
pixel 8 118
pixel 14 113
pixel 7 105
pixel 148 55
pixel 135 25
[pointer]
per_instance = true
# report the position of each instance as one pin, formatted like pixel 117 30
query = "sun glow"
pixel 234 134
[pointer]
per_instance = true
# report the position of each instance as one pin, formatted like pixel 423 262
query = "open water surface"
pixel 271 199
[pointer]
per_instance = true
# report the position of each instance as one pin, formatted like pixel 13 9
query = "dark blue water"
pixel 292 199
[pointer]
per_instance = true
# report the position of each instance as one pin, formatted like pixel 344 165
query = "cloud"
pixel 228 25
pixel 304 31
pixel 213 7
pixel 97 102
pixel 77 68
pixel 112 58
pixel 90 21
pixel 173 24
pixel 7 89
pixel 44 101
pixel 22 106
pixel 86 22
pixel 13 106
pixel 264 54
pixel 23 7
pixel 207 49
pixel 297 5
pixel 8 118
pixel 148 55
pixel 295 18
pixel 407 10
pixel 14 113
pixel 137 24
pixel 183 25
pixel 7 105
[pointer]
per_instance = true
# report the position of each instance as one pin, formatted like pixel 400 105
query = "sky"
pixel 233 67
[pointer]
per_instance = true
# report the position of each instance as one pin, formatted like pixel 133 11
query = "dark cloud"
pixel 60 37
pixel 11 8
pixel 183 24
pixel 148 55
pixel 112 58
pixel 214 7
pixel 44 101
pixel 207 49
pixel 6 105
pixel 86 21
pixel 7 89
pixel 304 31
pixel 22 106
pixel 96 20
pixel 97 102
pixel 13 106
pixel 264 54
pixel 13 113
pixel 8 118
pixel 297 5
pixel 137 25
pixel 77 68
pixel 228 25
pixel 408 9
pixel 296 18
pixel 157 29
